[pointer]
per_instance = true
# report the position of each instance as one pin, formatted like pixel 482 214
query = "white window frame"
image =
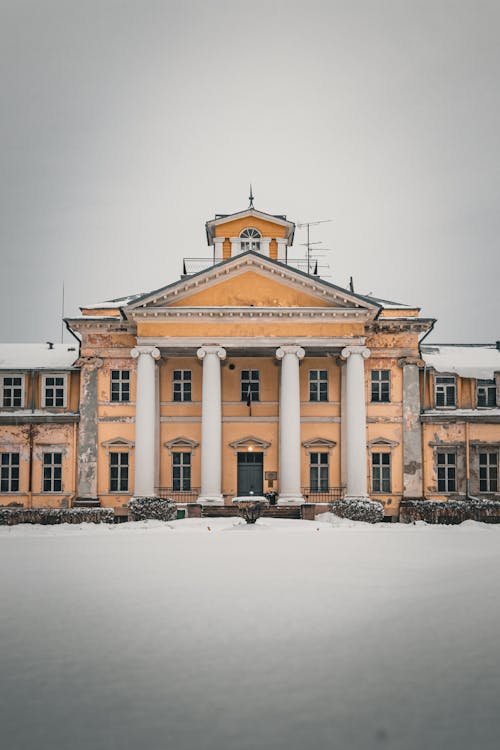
pixel 321 469
pixel 185 467
pixel 486 385
pixel 377 382
pixel 315 379
pixel 120 381
pixel 250 241
pixel 6 470
pixel 52 466
pixel 64 377
pixel 250 382
pixel 449 381
pixel 120 465
pixel 379 468
pixel 5 375
pixel 446 465
pixel 488 466
pixel 183 381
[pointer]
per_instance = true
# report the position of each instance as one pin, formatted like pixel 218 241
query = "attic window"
pixel 250 239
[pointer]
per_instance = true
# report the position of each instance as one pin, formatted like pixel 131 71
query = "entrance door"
pixel 250 473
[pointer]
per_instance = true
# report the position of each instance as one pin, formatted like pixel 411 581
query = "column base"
pixel 211 500
pixel 290 500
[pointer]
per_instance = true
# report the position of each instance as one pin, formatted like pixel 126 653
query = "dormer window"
pixel 250 239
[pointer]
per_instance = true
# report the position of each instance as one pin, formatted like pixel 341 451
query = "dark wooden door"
pixel 250 473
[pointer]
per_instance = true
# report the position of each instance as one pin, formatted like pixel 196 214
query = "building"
pixel 250 374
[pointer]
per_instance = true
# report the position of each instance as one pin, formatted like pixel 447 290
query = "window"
pixel 250 385
pixel 380 382
pixel 120 385
pixel 250 239
pixel 318 385
pixel 118 471
pixel 446 391
pixel 318 471
pixel 488 472
pixel 181 471
pixel 52 472
pixel 381 472
pixel 54 390
pixel 9 472
pixel 182 385
pixel 486 392
pixel 447 472
pixel 11 387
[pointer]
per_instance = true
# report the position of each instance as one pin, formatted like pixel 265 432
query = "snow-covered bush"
pixel 450 511
pixel 156 508
pixel 10 516
pixel 251 511
pixel 358 509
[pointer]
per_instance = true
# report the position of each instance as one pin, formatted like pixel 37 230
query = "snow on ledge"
pixel 38 356
pixel 473 361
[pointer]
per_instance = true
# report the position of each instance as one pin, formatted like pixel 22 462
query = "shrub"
pixel 155 508
pixel 358 509
pixel 449 511
pixel 51 516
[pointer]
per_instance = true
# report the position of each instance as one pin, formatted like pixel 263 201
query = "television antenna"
pixel 307 225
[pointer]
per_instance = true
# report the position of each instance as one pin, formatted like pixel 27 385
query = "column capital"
pixel 219 351
pixel 290 349
pixel 417 361
pixel 91 363
pixel 153 351
pixel 349 350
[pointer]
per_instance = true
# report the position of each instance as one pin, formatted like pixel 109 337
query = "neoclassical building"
pixel 250 374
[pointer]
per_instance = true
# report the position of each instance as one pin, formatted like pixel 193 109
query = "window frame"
pixel 315 380
pixel 121 381
pixel 488 384
pixel 6 470
pixel 384 482
pixel 185 471
pixel 183 382
pixel 490 467
pixel 445 387
pixel 250 383
pixel 3 377
pixel 250 241
pixel 120 466
pixel 50 469
pixel 446 466
pixel 319 470
pixel 43 386
pixel 377 386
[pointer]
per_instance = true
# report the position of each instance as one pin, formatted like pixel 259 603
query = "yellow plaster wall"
pixel 234 227
pixel 211 331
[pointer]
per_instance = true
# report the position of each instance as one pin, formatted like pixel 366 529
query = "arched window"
pixel 250 239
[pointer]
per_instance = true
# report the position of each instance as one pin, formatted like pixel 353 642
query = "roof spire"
pixel 250 197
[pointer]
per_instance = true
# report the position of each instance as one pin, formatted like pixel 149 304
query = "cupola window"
pixel 250 239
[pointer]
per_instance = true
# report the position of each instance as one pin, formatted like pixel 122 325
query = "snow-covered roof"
pixel 467 360
pixel 37 356
pixel 112 304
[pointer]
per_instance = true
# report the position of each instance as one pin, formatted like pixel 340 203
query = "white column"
pixel 355 416
pixel 264 245
pixel 218 247
pixel 145 420
pixel 281 248
pixel 235 246
pixel 289 425
pixel 211 425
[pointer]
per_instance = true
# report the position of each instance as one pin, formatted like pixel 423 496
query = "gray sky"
pixel 125 125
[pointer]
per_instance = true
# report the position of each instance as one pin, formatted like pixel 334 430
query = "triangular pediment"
pixel 252 280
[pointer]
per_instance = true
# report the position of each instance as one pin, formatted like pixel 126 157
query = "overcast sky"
pixel 126 125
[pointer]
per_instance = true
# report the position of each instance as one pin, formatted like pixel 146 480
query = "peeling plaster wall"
pixel 412 433
pixel 87 432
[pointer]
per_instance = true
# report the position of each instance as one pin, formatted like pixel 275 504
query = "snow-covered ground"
pixel 210 634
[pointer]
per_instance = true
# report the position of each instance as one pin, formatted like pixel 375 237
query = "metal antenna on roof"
pixel 307 225
pixel 250 197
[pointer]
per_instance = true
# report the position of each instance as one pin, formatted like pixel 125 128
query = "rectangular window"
pixel 11 387
pixel 52 472
pixel 9 472
pixel 488 472
pixel 120 385
pixel 318 385
pixel 381 472
pixel 54 390
pixel 318 472
pixel 118 471
pixel 182 385
pixel 447 472
pixel 380 383
pixel 181 471
pixel 486 392
pixel 446 391
pixel 250 385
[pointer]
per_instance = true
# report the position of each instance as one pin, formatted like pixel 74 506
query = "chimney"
pixel 50 344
